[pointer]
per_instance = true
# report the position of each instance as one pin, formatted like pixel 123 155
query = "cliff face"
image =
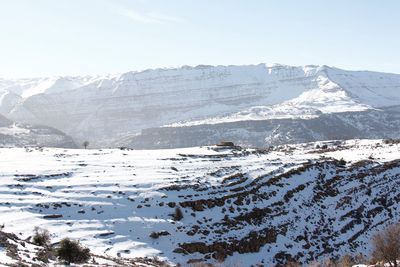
pixel 105 109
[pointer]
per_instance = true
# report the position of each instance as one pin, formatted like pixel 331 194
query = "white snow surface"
pixel 110 199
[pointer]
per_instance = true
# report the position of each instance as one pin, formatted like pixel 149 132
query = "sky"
pixel 86 37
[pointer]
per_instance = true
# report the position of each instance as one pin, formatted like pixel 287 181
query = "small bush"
pixel 178 215
pixel 342 162
pixel 44 255
pixel 292 264
pixel 71 251
pixel 386 246
pixel 345 261
pixel 41 237
pixel 156 235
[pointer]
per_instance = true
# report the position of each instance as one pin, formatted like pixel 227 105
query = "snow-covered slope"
pixel 17 252
pixel 282 129
pixel 361 92
pixel 106 109
pixel 20 134
pixel 240 206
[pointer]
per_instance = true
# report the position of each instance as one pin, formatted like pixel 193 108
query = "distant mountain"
pixel 255 105
pixel 382 123
pixel 19 134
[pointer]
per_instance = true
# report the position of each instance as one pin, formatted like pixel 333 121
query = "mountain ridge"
pixel 105 109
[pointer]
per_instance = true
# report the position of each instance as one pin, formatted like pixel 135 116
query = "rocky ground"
pixel 204 205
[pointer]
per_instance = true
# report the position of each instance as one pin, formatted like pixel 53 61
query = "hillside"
pixel 239 206
pixel 124 109
pixel 21 134
pixel 370 124
pixel 15 251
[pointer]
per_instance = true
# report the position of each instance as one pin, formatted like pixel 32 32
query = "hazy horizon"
pixel 177 67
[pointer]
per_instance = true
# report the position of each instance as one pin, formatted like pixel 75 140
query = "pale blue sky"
pixel 69 37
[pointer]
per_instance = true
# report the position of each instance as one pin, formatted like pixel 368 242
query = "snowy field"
pixel 112 200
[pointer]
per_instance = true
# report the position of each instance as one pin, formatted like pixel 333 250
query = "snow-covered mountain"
pixel 20 134
pixel 372 123
pixel 240 206
pixel 114 110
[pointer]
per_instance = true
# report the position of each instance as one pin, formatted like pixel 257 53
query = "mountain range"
pixel 253 105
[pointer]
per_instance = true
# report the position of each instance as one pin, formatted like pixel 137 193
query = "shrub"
pixel 41 237
pixel 44 255
pixel 71 251
pixel 178 215
pixel 154 235
pixel 345 261
pixel 342 162
pixel 386 245
pixel 292 264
